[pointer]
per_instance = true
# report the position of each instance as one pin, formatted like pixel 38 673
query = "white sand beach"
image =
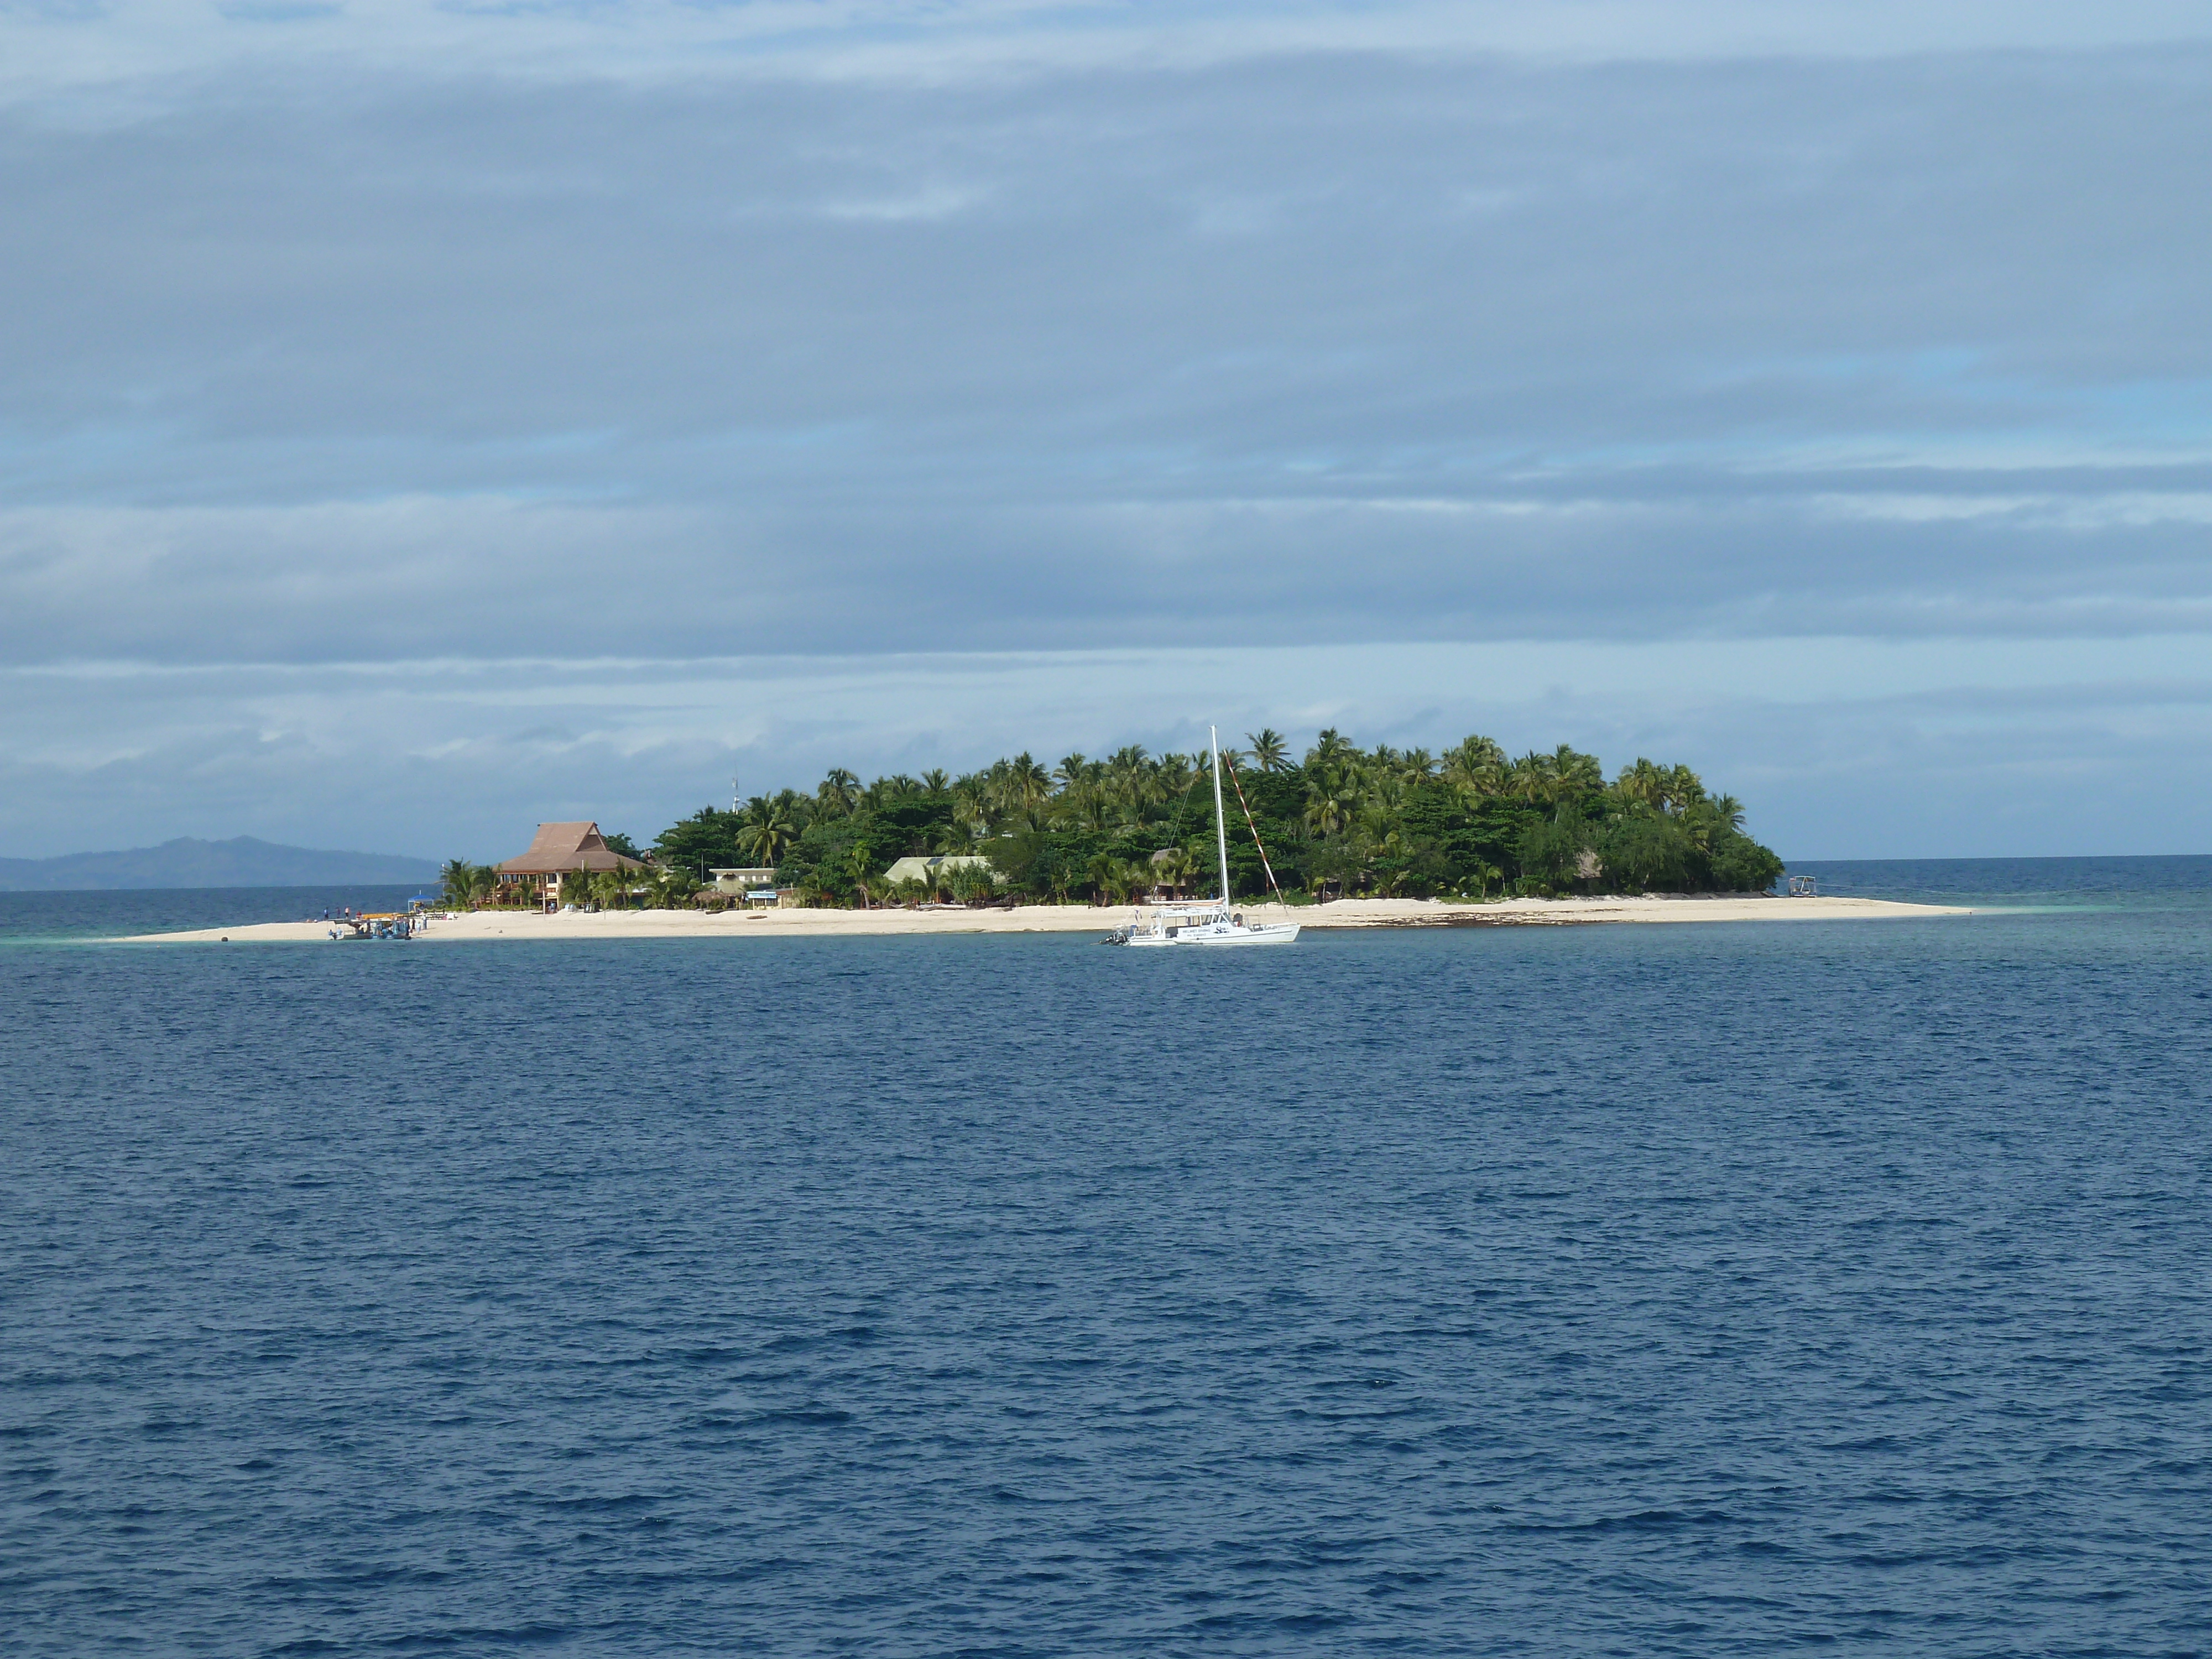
pixel 1075 918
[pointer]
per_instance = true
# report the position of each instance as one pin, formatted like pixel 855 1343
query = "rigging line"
pixel 1174 829
pixel 1183 806
pixel 1252 825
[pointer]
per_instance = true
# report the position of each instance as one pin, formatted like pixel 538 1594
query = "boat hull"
pixel 1222 939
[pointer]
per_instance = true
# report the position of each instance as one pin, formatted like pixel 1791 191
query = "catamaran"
pixel 1207 921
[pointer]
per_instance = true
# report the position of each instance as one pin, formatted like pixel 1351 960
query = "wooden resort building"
pixel 754 883
pixel 563 849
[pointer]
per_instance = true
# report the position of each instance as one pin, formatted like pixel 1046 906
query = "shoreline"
pixel 1344 914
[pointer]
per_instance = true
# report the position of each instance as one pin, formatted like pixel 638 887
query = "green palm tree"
pixel 971 805
pixel 1643 783
pixel 1129 776
pixel 1101 871
pixel 1534 777
pixel 971 882
pixel 1577 774
pixel 839 794
pixel 1331 748
pixel 1684 786
pixel 1270 751
pixel 1374 828
pixel 1173 867
pixel 457 881
pixel 1329 791
pixel 1089 807
pixel 766 831
pixel 1477 766
pixel 1480 875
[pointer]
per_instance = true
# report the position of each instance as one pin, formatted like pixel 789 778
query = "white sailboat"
pixel 1204 922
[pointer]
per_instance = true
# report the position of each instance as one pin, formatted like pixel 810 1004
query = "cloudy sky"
pixel 417 421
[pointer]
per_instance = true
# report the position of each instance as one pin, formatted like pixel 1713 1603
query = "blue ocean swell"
pixel 1675 1290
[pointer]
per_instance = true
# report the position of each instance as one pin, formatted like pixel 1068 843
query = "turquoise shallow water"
pixel 1687 1290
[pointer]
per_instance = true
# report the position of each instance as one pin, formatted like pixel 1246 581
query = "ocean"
pixel 1723 1289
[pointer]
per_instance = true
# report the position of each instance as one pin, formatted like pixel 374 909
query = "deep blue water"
pixel 1692 1290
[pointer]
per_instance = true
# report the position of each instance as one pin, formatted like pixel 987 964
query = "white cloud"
pixel 542 441
pixel 1842 747
pixel 934 201
pixel 130 48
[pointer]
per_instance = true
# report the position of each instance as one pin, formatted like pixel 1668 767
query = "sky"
pixel 419 421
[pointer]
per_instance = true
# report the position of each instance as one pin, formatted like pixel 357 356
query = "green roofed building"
pixel 931 869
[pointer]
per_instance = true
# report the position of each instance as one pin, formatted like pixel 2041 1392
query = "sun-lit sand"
pixel 1074 918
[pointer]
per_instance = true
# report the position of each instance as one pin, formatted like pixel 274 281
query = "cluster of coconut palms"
pixel 467 886
pixel 957 884
pixel 1468 821
pixel 1346 814
pixel 1345 788
pixel 477 886
pixel 1123 790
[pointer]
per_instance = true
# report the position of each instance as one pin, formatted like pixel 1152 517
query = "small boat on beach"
pixel 358 925
pixel 1209 923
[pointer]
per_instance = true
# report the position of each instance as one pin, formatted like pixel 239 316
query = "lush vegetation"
pixel 476 885
pixel 1470 822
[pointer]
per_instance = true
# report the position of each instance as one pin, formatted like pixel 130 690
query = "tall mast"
pixel 1220 824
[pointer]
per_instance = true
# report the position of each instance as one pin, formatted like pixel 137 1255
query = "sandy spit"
pixel 1074 918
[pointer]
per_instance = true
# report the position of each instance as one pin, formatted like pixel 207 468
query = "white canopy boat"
pixel 1207 922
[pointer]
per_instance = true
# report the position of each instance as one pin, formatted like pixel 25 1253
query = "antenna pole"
pixel 1220 820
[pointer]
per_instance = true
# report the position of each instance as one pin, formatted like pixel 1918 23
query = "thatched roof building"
pixel 563 849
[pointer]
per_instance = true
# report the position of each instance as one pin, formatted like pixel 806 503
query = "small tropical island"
pixel 1349 837
pixel 1339 822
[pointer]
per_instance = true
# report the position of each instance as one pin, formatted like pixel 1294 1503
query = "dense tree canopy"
pixel 1471 821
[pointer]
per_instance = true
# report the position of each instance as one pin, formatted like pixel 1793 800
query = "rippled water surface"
pixel 1695 1289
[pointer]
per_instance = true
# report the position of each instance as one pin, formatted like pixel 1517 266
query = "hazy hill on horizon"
pixel 187 862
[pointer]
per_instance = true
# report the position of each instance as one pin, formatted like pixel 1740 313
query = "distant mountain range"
pixel 241 861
